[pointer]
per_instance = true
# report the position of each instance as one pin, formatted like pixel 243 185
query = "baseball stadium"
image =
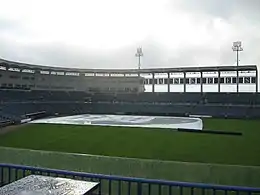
pixel 188 130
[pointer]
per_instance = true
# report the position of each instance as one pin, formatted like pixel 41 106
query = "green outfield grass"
pixel 160 144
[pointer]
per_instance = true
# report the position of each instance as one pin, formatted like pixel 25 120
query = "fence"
pixel 116 185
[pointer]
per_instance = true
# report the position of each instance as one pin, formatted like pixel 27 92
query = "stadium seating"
pixel 17 104
pixel 4 121
pixel 170 98
pixel 149 97
pixel 23 96
pixel 182 98
pixel 232 98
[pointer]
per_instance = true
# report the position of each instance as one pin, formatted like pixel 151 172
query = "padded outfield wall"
pixel 169 170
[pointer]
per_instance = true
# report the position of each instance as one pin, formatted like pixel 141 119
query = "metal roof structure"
pixel 12 64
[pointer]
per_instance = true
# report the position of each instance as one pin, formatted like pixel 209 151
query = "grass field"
pixel 143 143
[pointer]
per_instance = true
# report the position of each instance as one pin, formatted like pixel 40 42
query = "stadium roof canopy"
pixel 11 64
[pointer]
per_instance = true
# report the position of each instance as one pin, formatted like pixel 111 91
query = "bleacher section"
pixel 150 98
pixel 23 96
pixel 15 104
pixel 4 121
pixel 183 98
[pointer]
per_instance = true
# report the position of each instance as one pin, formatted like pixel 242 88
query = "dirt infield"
pixel 7 129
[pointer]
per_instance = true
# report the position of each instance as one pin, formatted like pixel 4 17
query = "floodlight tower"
pixel 237 47
pixel 139 54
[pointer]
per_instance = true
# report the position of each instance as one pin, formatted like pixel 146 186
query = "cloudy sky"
pixel 106 33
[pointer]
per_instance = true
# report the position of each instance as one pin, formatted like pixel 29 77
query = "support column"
pixel 201 82
pixel 184 82
pixel 153 83
pixel 256 82
pixel 218 81
pixel 168 82
pixel 237 81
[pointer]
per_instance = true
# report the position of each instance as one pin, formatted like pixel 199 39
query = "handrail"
pixel 137 180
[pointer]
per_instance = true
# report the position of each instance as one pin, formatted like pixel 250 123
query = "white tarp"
pixel 128 120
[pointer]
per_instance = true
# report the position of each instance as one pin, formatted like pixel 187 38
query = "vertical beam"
pixel 218 81
pixel 153 83
pixel 168 82
pixel 256 82
pixel 237 58
pixel 184 82
pixel 237 81
pixel 201 83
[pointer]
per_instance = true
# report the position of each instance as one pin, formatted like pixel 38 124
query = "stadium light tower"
pixel 237 47
pixel 139 54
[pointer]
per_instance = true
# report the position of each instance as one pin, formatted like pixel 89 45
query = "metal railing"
pixel 117 185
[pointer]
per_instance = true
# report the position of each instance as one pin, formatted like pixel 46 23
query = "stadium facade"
pixel 22 76
pixel 15 75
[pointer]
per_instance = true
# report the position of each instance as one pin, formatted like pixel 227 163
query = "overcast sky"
pixel 106 33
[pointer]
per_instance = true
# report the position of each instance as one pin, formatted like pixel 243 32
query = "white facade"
pixel 247 82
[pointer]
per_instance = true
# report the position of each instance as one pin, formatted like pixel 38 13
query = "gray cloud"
pixel 240 16
pixel 222 8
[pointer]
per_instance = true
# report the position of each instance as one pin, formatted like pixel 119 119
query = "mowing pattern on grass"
pixel 145 143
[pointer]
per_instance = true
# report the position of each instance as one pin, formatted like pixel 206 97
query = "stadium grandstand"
pixel 27 89
pixel 30 92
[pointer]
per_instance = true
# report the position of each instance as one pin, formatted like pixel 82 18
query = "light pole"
pixel 139 54
pixel 237 47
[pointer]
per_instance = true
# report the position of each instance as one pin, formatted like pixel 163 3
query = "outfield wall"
pixel 169 170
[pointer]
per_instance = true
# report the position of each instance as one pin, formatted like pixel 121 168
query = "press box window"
pixel 215 80
pixel 192 81
pixel 210 80
pixel 181 81
pixel 198 80
pixel 234 80
pixel 253 80
pixel 176 81
pixel 241 80
pixel 222 80
pixel 171 81
pixel 187 81
pixel 160 81
pixel 247 79
pixel 228 80
pixel 204 80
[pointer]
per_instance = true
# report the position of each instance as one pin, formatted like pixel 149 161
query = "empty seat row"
pixel 184 98
pixel 16 111
pixel 170 98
